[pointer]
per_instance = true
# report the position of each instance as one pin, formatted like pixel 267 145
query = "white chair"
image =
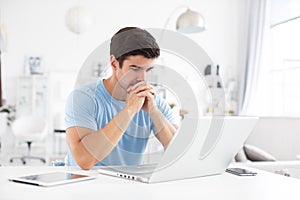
pixel 29 129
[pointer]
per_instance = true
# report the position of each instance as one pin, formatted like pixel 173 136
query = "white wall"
pixel 37 28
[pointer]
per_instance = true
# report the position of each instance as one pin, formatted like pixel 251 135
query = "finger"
pixel 143 88
pixel 135 86
pixel 129 89
pixel 143 94
pixel 152 91
pixel 146 93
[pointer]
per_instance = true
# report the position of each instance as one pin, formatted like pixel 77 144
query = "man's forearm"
pixel 100 143
pixel 164 129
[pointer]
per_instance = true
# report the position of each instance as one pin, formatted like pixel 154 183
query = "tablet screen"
pixel 51 178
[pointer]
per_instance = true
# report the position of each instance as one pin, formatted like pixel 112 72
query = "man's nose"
pixel 143 76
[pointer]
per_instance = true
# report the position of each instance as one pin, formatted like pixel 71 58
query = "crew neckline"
pixel 108 94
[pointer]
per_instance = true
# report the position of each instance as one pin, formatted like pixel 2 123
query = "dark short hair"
pixel 132 41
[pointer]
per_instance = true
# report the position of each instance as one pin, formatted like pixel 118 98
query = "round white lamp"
pixel 78 19
pixel 190 22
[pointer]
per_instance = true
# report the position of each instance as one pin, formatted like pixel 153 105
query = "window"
pixel 283 73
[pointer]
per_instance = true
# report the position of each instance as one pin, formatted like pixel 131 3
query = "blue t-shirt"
pixel 93 107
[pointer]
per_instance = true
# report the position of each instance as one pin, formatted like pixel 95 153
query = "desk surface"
pixel 226 186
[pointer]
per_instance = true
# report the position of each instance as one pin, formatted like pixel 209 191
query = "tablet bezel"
pixel 22 179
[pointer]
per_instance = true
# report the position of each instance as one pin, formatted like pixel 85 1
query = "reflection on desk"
pixel 226 186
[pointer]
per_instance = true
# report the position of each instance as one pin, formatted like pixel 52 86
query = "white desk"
pixel 263 186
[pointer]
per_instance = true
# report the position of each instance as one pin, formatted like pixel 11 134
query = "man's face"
pixel 134 70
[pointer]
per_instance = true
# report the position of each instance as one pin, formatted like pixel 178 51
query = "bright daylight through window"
pixel 283 75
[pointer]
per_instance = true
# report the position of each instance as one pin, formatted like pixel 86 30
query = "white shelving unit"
pixel 32 96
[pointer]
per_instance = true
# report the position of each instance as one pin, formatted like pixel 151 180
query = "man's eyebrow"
pixel 148 69
pixel 135 66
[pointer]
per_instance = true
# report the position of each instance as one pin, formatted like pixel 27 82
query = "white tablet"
pixel 51 178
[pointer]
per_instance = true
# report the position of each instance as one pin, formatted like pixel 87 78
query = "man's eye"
pixel 135 68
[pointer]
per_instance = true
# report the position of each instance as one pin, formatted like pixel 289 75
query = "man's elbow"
pixel 85 166
pixel 86 163
pixel 84 160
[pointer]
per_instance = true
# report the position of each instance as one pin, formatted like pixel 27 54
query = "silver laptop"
pixel 206 148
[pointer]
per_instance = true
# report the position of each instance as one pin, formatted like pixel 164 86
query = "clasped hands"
pixel 141 96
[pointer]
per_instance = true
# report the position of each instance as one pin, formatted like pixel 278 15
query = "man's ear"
pixel 114 62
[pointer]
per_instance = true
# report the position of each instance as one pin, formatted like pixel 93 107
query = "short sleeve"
pixel 80 110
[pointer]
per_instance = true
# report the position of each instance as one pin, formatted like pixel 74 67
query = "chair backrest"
pixel 30 127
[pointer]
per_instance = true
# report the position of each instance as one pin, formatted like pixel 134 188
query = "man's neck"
pixel 114 89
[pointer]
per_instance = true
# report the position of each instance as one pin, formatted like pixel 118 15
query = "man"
pixel 109 123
